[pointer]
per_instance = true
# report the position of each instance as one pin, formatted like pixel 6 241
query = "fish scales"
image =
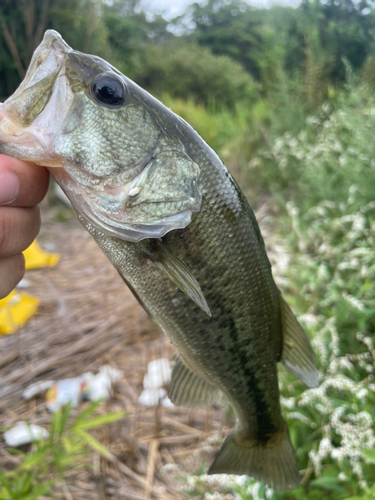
pixel 173 222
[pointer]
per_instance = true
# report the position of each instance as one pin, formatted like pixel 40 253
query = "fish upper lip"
pixel 45 66
pixel 51 45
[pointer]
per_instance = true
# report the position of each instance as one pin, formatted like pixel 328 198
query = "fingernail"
pixel 9 187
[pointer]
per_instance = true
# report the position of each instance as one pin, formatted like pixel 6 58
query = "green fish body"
pixel 190 248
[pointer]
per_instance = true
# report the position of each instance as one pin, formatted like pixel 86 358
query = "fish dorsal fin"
pixel 178 272
pixel 187 389
pixel 297 354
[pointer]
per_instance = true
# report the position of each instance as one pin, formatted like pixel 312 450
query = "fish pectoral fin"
pixel 178 272
pixel 297 354
pixel 187 389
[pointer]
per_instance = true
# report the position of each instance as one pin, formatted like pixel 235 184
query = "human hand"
pixel 22 186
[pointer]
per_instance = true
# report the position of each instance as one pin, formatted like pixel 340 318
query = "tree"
pixel 23 23
pixel 231 28
pixel 185 70
pixel 130 33
pixel 338 28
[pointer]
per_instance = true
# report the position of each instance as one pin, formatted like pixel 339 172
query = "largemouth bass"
pixel 169 216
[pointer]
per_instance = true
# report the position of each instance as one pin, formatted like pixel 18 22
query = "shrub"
pixel 192 72
pixel 334 151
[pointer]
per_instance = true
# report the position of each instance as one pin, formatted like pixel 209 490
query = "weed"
pixel 67 446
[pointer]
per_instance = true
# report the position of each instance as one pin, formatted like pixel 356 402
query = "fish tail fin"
pixel 272 462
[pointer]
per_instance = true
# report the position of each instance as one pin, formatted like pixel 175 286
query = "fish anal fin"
pixel 187 389
pixel 179 273
pixel 272 461
pixel 297 354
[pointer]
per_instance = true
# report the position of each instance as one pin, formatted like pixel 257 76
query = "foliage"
pixel 330 278
pixel 231 28
pixel 306 45
pixel 131 33
pixel 190 72
pixel 23 24
pixel 333 151
pixel 67 446
pixel 81 24
pixel 218 127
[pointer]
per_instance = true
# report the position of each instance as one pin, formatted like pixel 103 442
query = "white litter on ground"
pixel 24 433
pixel 152 397
pixel 86 387
pixel 158 375
pixel 100 385
pixel 34 389
pixel 64 392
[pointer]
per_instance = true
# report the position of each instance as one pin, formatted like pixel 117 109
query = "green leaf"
pixel 68 444
pixel 64 419
pixel 35 458
pixel 329 483
pixel 5 483
pixel 15 451
pixel 54 427
pixel 93 443
pixel 101 420
pixel 39 490
pixel 26 482
pixel 369 455
pixel 83 416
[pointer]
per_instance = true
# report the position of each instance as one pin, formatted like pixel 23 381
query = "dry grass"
pixel 88 318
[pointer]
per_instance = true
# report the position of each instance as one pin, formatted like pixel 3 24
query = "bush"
pixel 330 279
pixel 192 72
pixel 334 151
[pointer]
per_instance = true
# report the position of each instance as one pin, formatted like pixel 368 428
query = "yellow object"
pixel 37 257
pixel 18 307
pixel 15 310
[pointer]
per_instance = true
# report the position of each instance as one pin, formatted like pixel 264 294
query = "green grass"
pixel 67 446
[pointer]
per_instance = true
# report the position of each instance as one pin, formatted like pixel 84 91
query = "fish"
pixel 171 219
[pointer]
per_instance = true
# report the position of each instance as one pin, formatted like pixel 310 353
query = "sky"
pixel 173 8
pixel 169 8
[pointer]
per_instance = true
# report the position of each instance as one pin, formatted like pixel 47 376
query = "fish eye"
pixel 108 89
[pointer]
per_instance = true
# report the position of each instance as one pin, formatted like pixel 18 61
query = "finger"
pixel 22 184
pixel 18 229
pixel 12 270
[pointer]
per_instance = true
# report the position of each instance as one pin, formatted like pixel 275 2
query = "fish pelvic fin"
pixel 187 389
pixel 297 354
pixel 272 461
pixel 179 273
